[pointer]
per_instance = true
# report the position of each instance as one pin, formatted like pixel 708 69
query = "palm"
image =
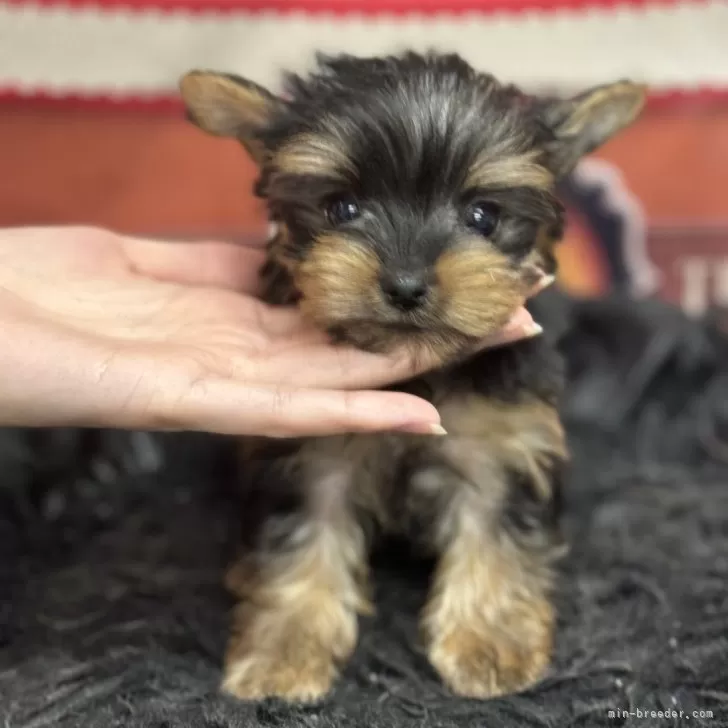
pixel 110 287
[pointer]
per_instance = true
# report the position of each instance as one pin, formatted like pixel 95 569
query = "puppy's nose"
pixel 405 290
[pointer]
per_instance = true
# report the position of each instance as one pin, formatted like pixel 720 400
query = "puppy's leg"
pixel 300 587
pixel 489 620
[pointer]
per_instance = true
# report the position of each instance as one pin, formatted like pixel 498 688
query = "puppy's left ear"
pixel 229 106
pixel 585 122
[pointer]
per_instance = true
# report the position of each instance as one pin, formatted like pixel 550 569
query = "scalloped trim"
pixel 171 104
pixel 55 50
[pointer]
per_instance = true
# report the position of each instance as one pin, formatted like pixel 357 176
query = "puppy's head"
pixel 415 196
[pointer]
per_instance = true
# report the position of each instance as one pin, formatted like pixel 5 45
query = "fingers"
pixel 303 409
pixel 215 264
pixel 227 407
pixel 521 326
pixel 91 384
pixel 544 282
pixel 316 363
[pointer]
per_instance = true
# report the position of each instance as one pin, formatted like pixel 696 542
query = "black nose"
pixel 404 290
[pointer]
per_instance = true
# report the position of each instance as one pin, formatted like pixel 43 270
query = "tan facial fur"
pixel 338 280
pixel 479 288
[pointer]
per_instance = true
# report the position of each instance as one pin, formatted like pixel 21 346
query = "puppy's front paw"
pixel 292 653
pixel 294 668
pixel 484 663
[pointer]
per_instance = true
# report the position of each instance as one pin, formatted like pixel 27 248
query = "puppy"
pixel 415 203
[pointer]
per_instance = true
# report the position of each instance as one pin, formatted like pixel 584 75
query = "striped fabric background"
pixel 91 129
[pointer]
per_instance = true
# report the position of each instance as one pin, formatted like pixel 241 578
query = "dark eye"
pixel 483 217
pixel 342 210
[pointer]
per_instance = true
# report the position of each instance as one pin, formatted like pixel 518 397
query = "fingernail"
pixel 272 230
pixel 532 329
pixel 419 428
pixel 543 283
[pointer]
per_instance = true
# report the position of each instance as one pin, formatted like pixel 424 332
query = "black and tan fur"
pixel 415 141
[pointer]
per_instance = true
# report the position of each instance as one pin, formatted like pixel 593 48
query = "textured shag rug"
pixel 113 545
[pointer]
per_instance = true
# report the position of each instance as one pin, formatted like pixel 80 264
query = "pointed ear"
pixel 583 123
pixel 229 106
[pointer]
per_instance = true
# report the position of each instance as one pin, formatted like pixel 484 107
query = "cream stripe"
pixel 89 50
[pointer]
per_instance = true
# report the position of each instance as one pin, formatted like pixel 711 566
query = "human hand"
pixel 105 330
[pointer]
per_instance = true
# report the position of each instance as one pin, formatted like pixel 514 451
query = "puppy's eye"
pixel 483 217
pixel 342 210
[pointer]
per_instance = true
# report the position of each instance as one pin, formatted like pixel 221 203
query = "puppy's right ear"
pixel 229 106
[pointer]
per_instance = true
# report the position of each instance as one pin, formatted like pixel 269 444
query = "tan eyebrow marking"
pixel 313 154
pixel 521 170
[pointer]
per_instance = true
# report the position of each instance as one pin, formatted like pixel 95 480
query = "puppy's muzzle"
pixel 405 290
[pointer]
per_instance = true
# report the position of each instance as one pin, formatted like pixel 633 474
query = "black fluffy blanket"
pixel 112 548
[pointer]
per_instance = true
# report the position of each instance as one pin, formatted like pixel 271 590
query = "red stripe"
pixel 361 7
pixel 170 104
pixel 91 102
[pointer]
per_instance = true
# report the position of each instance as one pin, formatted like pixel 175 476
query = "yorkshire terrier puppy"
pixel 415 202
